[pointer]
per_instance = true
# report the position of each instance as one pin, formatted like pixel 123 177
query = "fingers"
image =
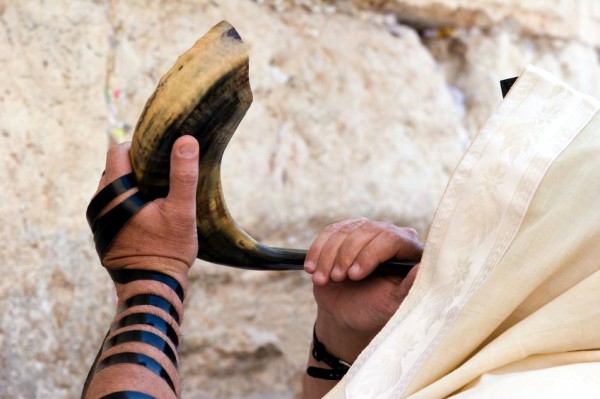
pixel 354 248
pixel 322 253
pixel 391 242
pixel 184 174
pixel 406 284
pixel 117 163
pixel 355 243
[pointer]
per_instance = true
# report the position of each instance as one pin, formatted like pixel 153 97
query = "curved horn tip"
pixel 234 34
pixel 228 30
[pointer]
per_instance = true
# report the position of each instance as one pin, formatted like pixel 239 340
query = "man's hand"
pixel 162 235
pixel 139 353
pixel 352 308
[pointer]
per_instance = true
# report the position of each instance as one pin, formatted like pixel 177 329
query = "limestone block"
pixel 564 19
pixel 474 62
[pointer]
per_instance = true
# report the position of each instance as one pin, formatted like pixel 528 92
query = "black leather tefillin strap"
pixel 151 300
pixel 150 320
pixel 145 337
pixel 106 227
pixel 339 368
pixel 139 359
pixel 107 194
pixel 128 395
pixel 128 276
pixel 142 336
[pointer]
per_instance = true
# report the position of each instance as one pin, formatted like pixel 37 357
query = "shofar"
pixel 206 94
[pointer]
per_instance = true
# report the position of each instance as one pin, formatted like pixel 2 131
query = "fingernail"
pixel 354 269
pixel 337 271
pixel 309 266
pixel 188 150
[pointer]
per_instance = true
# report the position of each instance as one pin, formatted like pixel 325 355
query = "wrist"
pixel 339 339
pixel 146 288
pixel 171 268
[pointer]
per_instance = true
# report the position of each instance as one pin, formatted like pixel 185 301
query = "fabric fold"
pixel 510 266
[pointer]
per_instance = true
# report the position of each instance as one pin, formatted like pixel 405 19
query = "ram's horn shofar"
pixel 206 94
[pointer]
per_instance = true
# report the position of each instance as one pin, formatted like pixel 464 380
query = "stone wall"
pixel 360 108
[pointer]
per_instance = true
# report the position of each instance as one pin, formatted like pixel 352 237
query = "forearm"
pixel 139 353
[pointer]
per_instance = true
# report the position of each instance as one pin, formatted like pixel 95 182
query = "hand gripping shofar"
pixel 206 94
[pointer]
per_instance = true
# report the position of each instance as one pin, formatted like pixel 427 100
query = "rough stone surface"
pixel 354 114
pixel 473 63
pixel 563 19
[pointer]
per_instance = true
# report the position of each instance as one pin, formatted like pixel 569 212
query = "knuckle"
pixel 347 228
pixel 390 235
pixel 354 224
pixel 332 227
pixel 411 232
pixel 387 225
pixel 186 178
pixel 370 226
pixel 346 224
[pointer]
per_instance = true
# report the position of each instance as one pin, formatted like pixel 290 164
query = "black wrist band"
pixel 144 337
pixel 151 300
pixel 339 368
pixel 128 395
pixel 139 359
pixel 125 276
pixel 151 320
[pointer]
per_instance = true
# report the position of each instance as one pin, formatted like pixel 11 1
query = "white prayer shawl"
pixel 507 299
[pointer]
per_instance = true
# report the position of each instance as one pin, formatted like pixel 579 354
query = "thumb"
pixel 407 284
pixel 184 173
